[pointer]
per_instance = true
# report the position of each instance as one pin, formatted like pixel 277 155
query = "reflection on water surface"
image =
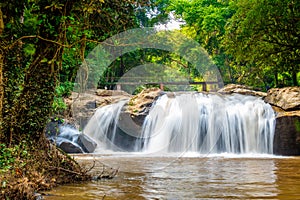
pixel 189 178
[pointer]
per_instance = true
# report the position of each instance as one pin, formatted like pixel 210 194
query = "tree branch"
pixel 41 38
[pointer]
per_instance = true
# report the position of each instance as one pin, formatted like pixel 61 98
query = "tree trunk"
pixel 1 91
pixel 2 52
pixel 294 77
pixel 32 109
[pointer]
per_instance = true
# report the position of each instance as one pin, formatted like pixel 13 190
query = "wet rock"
pixel 287 133
pixel 286 103
pixel 70 140
pixel 132 116
pixel 127 124
pixel 241 89
pixel 86 143
pixel 287 98
pixel 68 146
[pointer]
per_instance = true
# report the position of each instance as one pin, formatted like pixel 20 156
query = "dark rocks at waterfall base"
pixel 86 143
pixel 68 139
pixel 286 104
pixel 287 135
pixel 68 146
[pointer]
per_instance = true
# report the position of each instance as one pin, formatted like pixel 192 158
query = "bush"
pixel 11 157
pixel 6 158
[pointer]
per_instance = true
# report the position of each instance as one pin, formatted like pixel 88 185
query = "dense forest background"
pixel 44 42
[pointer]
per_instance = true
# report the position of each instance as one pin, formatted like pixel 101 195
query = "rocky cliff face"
pixel 286 104
pixel 287 134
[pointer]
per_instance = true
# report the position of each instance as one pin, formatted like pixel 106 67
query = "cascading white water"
pixel 209 123
pixel 192 122
pixel 103 124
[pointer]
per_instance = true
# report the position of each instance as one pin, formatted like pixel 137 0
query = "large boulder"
pixel 52 128
pixel 241 89
pixel 68 146
pixel 287 133
pixel 139 105
pixel 131 118
pixel 70 140
pixel 286 104
pixel 86 143
pixel 287 98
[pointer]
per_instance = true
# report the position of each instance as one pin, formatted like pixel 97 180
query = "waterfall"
pixel 193 122
pixel 209 123
pixel 103 125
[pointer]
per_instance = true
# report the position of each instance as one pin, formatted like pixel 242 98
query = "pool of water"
pixel 187 177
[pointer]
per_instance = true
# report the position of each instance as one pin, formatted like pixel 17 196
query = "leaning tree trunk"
pixel 27 91
pixel 1 73
pixel 33 108
pixel 1 91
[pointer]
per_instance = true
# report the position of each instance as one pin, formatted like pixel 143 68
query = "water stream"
pixel 189 122
pixel 190 146
pixel 213 177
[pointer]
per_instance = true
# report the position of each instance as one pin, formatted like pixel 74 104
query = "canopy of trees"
pixel 43 42
pixel 263 37
pixel 252 42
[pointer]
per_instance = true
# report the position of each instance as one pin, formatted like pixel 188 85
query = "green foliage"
pixel 153 12
pixel 6 158
pixel 263 39
pixel 252 42
pixel 10 157
pixel 58 105
pixel 42 45
pixel 63 90
pixel 206 21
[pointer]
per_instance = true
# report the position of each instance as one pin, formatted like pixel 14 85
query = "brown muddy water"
pixel 189 177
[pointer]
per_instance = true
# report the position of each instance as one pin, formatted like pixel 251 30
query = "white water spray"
pixel 103 125
pixel 210 124
pixel 193 122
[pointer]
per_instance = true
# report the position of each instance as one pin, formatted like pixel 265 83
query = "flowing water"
pixel 197 177
pixel 191 146
pixel 193 122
